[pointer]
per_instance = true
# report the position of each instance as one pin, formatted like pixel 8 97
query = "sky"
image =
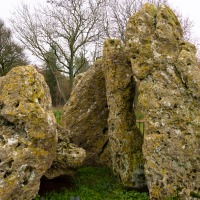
pixel 188 8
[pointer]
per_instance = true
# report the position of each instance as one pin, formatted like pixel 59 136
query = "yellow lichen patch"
pixel 29 145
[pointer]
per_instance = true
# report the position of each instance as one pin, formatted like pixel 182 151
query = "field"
pixel 93 183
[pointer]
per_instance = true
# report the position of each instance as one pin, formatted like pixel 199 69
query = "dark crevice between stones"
pixel 132 86
pixel 57 184
pixel 155 22
pixel 103 148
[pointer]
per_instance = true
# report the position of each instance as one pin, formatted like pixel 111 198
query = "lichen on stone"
pixel 168 77
pixel 124 137
pixel 28 135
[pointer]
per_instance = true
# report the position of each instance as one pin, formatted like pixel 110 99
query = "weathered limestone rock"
pixel 169 96
pixel 124 136
pixel 27 133
pixel 68 156
pixel 85 115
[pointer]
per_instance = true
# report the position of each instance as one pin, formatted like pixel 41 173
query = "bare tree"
pixel 75 27
pixel 67 27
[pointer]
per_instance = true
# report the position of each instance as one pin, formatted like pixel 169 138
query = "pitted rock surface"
pixel 27 133
pixel 69 156
pixel 124 136
pixel 168 77
pixel 85 115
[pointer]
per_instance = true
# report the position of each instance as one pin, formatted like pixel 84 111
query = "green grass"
pixel 95 183
pixel 58 111
pixel 140 122
pixel 141 126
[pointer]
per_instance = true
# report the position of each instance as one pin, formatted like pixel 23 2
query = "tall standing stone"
pixel 27 133
pixel 124 137
pixel 169 96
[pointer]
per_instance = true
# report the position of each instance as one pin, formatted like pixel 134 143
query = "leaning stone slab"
pixel 168 77
pixel 85 115
pixel 27 133
pixel 124 136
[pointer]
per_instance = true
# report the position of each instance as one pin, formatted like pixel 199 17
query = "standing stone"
pixel 169 96
pixel 86 113
pixel 27 133
pixel 125 138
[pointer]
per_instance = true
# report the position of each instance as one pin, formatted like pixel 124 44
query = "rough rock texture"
pixel 68 156
pixel 27 133
pixel 124 136
pixel 168 76
pixel 85 115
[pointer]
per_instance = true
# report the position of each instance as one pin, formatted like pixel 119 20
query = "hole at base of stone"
pixel 57 184
pixel 143 189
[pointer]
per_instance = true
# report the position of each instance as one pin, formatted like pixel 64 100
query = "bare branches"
pixel 76 27
pixel 117 13
pixel 67 27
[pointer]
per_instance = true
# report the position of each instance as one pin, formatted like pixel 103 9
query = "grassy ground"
pixel 94 183
pixel 58 114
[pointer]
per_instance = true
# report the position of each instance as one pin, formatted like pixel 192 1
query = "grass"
pixel 95 183
pixel 58 111
pixel 140 122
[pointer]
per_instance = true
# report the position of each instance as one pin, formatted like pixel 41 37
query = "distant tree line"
pixel 11 53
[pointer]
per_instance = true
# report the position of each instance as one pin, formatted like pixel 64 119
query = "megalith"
pixel 168 76
pixel 28 135
pixel 85 115
pixel 124 136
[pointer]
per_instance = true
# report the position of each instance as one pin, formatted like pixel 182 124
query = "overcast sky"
pixel 188 8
